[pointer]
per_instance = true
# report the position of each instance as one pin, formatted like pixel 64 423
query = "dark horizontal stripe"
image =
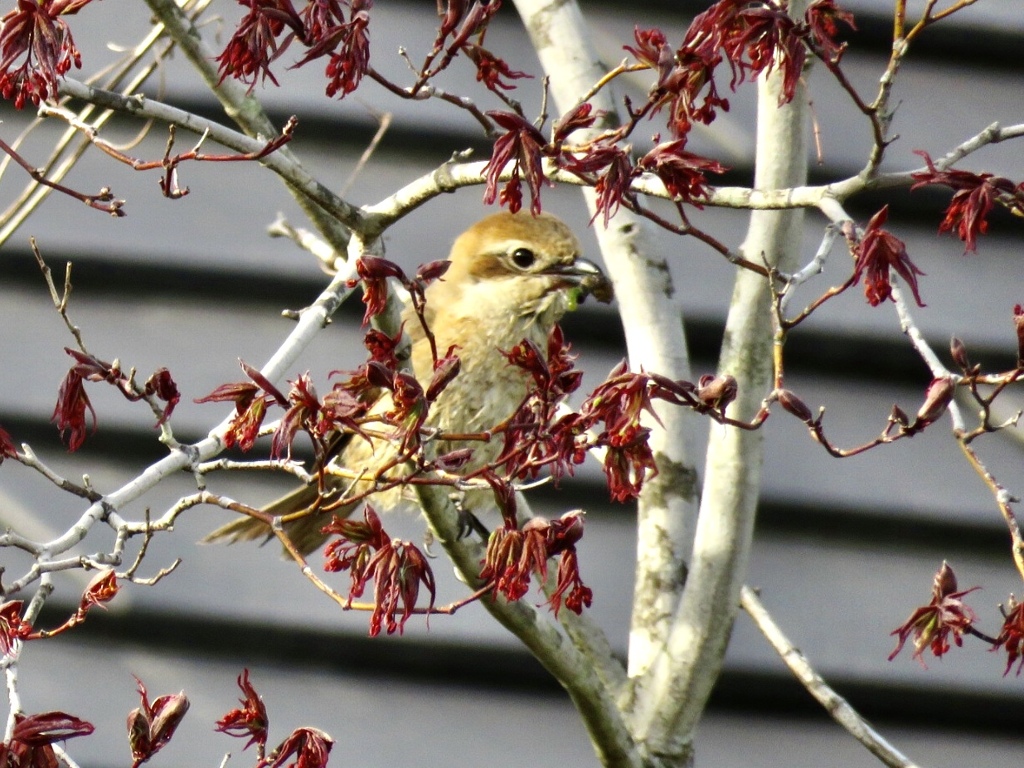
pixel 901 530
pixel 851 356
pixel 448 664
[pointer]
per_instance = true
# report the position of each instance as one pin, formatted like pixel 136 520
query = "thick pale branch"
pixel 456 174
pixel 571 668
pixel 669 701
pixel 653 324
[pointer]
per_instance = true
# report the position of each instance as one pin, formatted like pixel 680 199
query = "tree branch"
pixel 280 162
pixel 670 699
pixel 572 669
pixel 653 323
pixel 837 707
pixel 248 113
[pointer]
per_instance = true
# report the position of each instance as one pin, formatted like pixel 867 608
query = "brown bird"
pixel 511 277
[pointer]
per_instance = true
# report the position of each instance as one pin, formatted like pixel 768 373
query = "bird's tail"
pixel 304 532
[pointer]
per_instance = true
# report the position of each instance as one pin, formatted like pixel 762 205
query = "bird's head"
pixel 519 260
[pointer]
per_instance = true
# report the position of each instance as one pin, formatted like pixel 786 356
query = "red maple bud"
pixel 619 399
pixel 399 569
pixel 382 347
pixel 250 407
pixel 565 532
pixel 445 370
pixel 241 393
pixel 33 736
pixel 304 748
pixel 823 18
pixel 48 728
pixel 340 410
pixel 527 355
pixel 432 270
pixel 359 539
pixel 12 627
pixel 275 395
pixel 680 171
pixel 410 409
pixel 303 414
pixel 698 57
pixel 898 417
pixel 364 385
pixel 878 252
pixel 759 39
pixel 379 375
pixel 346 42
pixel 613 185
pixel 716 392
pixel 686 77
pixel 250 719
pixel 1018 322
pixel 958 352
pixel 628 461
pixel 561 362
pixel 681 76
pixel 709 29
pixel 453 461
pixel 580 116
pixel 521 145
pixel 162 385
pixel 69 414
pixel 255 42
pixel 513 556
pixel 451 15
pixel 1011 636
pixel 694 76
pixel 795 406
pixel 579 595
pixel 474 22
pixel 35 35
pixel 92 368
pixel 7 447
pixel 151 726
pixel 245 426
pixel 651 49
pixel 102 589
pixel 974 197
pixel 533 436
pixel 320 16
pixel 490 69
pixel 932 625
pixel 373 272
pixel 594 158
pixel 936 400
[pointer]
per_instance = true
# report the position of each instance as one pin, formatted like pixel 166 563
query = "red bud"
pixel 795 406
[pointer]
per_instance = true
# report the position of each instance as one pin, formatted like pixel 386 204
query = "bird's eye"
pixel 523 258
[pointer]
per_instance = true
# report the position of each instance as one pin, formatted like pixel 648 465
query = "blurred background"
pixel 844 550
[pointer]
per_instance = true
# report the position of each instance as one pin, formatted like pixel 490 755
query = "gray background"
pixel 843 551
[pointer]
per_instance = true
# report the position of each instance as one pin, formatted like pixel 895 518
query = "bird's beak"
pixel 588 277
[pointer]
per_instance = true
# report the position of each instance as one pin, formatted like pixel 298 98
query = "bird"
pixel 512 276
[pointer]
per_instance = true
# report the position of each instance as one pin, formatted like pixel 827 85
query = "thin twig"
pixel 836 706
